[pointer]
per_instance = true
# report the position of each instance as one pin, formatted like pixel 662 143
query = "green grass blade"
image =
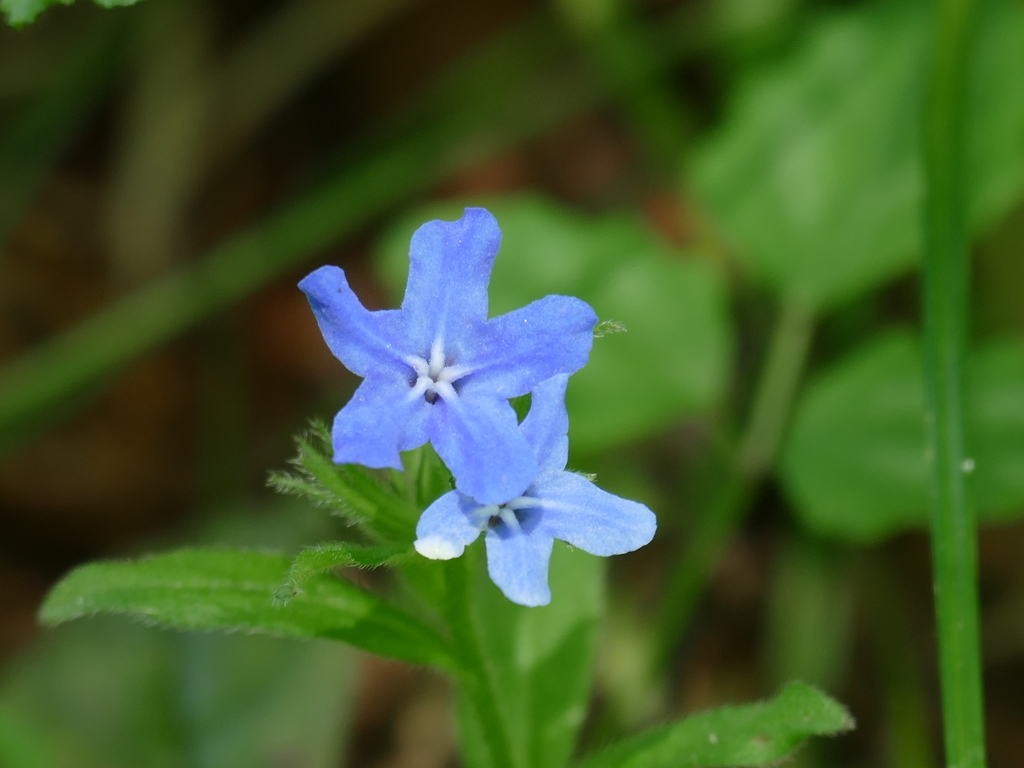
pixel 946 280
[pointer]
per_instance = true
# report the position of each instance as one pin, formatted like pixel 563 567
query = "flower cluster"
pixel 439 370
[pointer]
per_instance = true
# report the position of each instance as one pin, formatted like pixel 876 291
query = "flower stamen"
pixel 434 378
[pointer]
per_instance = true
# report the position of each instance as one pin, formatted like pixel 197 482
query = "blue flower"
pixel 438 369
pixel 520 532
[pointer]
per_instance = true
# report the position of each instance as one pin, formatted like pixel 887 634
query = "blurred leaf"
pixel 21 745
pixel 22 12
pixel 356 493
pixel 815 176
pixel 262 701
pixel 996 153
pixel 110 694
pixel 318 559
pixel 232 590
pixel 749 735
pixel 540 660
pixel 673 357
pixel 855 464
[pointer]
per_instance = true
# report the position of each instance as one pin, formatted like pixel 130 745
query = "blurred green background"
pixel 736 182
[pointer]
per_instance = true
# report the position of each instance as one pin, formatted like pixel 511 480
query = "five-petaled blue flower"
pixel 554 505
pixel 438 369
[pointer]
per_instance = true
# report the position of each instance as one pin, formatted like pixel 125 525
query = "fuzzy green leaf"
pixel 854 463
pixel 110 692
pixel 363 497
pixel 748 735
pixel 233 590
pixel 316 560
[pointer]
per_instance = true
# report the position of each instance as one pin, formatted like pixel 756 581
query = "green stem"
pixel 475 679
pixel 786 355
pixel 954 546
pixel 743 470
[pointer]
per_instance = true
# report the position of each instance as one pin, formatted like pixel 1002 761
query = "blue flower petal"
pixel 447 527
pixel 479 440
pixel 577 511
pixel 547 424
pixel 366 342
pixel 380 420
pixel 514 353
pixel 449 269
pixel 518 563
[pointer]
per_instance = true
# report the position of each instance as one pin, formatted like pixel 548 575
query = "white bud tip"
pixel 436 548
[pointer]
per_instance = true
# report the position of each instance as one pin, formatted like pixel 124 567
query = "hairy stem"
pixel 954 546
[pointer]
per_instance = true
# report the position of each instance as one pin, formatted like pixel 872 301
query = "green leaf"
pixel 251 699
pixel 360 495
pixel 540 660
pixel 109 693
pixel 316 560
pixel 672 359
pixel 854 463
pixel 815 176
pixel 232 590
pixel 753 734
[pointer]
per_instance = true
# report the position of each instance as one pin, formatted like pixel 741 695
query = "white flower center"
pixel 434 377
pixel 492 514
